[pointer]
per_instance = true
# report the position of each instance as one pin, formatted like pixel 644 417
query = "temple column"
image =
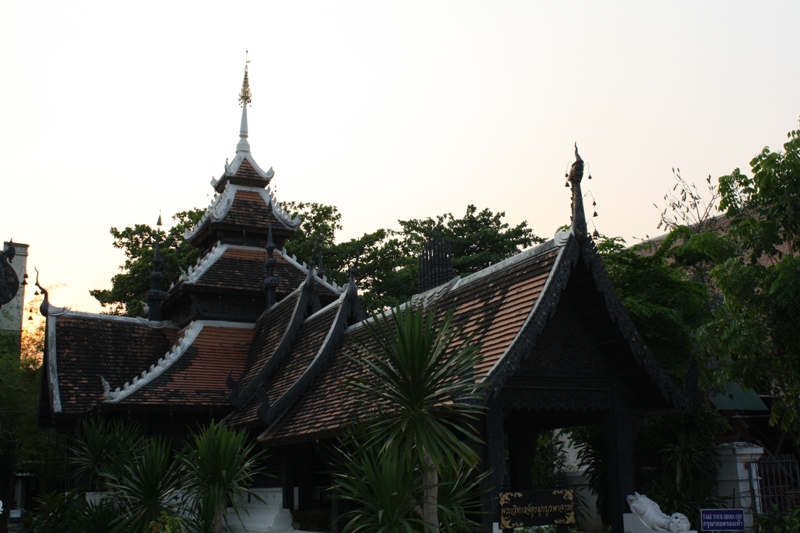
pixel 494 460
pixel 522 436
pixel 620 432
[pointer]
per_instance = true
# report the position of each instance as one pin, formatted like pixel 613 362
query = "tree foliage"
pixel 23 446
pixel 317 232
pixel 388 265
pixel 666 305
pixel 755 333
pixel 129 288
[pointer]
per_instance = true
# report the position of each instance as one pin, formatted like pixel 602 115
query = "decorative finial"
pixel 578 216
pixel 45 307
pixel 155 295
pixel 244 96
pixel 271 282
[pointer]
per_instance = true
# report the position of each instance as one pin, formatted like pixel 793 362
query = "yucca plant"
pixel 381 485
pixel 146 486
pixel 100 517
pixel 220 466
pixel 100 447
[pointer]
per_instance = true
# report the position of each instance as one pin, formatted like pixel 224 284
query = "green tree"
pixel 388 267
pixel 422 382
pixel 23 446
pixel 129 288
pixel 755 330
pixel 317 232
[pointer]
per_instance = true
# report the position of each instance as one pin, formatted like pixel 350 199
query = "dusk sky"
pixel 111 112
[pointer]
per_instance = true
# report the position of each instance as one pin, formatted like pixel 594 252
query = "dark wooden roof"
pixel 315 342
pixel 81 348
pixel 198 375
pixel 271 329
pixel 244 175
pixel 505 308
pixel 242 268
pixel 245 221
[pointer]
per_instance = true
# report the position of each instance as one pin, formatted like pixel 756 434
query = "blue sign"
pixel 721 519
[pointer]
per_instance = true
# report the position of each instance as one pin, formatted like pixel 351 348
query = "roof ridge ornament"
pixel 271 282
pixel 578 216
pixel 245 98
pixel 244 95
pixel 155 296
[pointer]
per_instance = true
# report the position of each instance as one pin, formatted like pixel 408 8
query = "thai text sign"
pixel 721 520
pixel 536 508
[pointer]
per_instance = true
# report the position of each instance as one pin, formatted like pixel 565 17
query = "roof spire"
pixel 155 295
pixel 578 216
pixel 245 98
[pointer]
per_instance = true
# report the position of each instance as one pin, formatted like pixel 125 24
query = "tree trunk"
pixel 430 481
pixel 217 521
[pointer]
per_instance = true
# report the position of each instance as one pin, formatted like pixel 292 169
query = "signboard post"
pixel 721 519
pixel 537 508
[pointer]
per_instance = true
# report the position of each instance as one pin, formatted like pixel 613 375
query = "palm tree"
pixel 419 371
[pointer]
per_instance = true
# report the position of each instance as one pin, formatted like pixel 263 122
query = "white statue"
pixel 651 515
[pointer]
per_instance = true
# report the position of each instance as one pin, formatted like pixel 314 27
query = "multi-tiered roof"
pixel 201 330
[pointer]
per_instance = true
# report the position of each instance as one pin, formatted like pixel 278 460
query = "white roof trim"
pixel 433 295
pixel 505 263
pixel 65 311
pixel 205 262
pixel 221 204
pixel 52 365
pixel 190 334
pixel 332 285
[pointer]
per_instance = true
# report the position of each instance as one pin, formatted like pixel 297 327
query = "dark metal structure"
pixel 9 281
pixel 435 263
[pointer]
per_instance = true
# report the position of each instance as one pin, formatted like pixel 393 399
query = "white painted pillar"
pixel 737 460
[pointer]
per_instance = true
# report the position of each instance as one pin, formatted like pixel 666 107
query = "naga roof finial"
pixel 578 217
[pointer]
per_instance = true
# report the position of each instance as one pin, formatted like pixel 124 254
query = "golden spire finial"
pixel 244 96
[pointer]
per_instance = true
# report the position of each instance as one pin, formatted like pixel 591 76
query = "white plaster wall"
pixel 733 479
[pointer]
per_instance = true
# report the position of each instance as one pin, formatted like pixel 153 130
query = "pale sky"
pixel 111 112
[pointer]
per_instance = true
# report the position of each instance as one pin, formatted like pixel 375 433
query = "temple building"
pixel 251 336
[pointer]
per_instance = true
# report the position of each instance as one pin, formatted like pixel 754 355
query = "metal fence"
pixel 775 484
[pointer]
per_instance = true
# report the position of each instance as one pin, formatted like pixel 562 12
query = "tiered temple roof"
pixel 215 324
